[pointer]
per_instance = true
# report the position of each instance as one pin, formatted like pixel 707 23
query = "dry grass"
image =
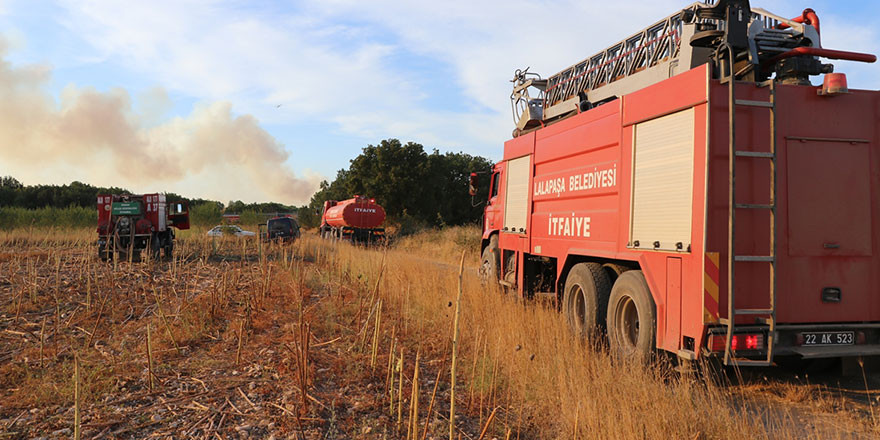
pixel 444 245
pixel 239 330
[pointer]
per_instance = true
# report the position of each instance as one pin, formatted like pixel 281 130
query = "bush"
pixel 70 217
pixel 205 214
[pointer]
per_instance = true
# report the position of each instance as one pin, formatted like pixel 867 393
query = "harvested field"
pixel 318 340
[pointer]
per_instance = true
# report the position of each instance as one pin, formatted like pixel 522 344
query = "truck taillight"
pixel 739 341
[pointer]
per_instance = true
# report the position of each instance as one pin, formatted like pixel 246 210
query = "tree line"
pixel 15 194
pixel 412 185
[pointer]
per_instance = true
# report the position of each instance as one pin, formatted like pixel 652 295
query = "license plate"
pixel 829 338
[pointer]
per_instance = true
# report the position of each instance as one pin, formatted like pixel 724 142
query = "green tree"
pixel 409 183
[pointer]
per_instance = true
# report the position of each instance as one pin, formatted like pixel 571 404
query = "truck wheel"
pixel 155 247
pixel 102 253
pixel 631 318
pixel 585 298
pixel 490 262
pixel 169 250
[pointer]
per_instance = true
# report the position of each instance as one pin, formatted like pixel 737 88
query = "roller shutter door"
pixel 663 170
pixel 516 207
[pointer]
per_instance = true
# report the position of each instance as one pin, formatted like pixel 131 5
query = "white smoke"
pixel 101 138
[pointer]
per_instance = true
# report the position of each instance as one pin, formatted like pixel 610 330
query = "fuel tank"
pixel 357 212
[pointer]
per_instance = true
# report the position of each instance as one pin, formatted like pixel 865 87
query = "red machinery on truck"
pixel 689 190
pixel 128 224
pixel 356 219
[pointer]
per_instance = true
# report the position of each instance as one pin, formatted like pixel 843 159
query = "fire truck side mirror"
pixel 473 181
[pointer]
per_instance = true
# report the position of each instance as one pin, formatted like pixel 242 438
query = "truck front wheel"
pixel 490 262
pixel 631 318
pixel 585 301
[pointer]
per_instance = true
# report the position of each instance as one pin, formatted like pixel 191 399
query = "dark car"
pixel 280 229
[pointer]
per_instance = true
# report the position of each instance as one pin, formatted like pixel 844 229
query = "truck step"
pixel 756 154
pixel 749 363
pixel 754 258
pixel 754 206
pixel 749 103
pixel 753 311
pixel 687 354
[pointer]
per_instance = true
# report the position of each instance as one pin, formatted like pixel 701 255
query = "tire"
pixel 155 247
pixel 632 323
pixel 490 263
pixel 169 250
pixel 102 253
pixel 585 299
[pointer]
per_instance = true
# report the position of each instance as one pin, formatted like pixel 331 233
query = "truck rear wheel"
pixel 490 262
pixel 585 300
pixel 631 318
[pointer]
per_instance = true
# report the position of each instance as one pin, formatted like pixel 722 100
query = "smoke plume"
pixel 101 138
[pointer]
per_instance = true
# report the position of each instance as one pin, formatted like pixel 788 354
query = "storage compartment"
pixel 829 199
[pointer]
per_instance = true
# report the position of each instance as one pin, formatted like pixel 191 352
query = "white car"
pixel 221 230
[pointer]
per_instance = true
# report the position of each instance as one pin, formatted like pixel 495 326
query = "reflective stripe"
pixel 711 281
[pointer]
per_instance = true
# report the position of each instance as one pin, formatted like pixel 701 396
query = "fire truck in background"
pixel 128 224
pixel 689 190
pixel 356 220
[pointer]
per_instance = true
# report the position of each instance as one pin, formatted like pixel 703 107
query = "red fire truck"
pixel 356 219
pixel 689 190
pixel 128 224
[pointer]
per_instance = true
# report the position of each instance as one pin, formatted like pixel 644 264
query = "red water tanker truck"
pixel 689 190
pixel 128 224
pixel 356 219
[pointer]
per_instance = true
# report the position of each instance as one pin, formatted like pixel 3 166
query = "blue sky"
pixel 314 82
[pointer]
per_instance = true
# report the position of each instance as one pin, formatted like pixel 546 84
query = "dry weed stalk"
pixel 412 429
pixel 150 357
pixel 431 404
pixel 97 321
pixel 375 346
pixel 301 356
pixel 77 415
pixel 42 340
pixel 389 376
pixel 165 321
pixel 238 350
pixel 455 350
pixel 488 423
pixel 400 391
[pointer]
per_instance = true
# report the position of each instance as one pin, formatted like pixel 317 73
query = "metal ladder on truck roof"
pixel 732 257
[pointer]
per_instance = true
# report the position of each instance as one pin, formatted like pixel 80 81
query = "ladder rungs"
pixel 754 206
pixel 754 258
pixel 759 154
pixel 749 103
pixel 753 311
